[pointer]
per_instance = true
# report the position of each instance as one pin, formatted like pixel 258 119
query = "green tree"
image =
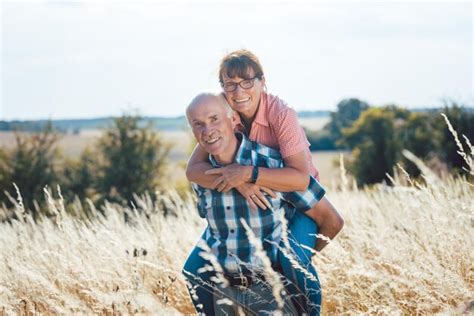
pixel 462 119
pixel 373 140
pixel 348 111
pixel 320 140
pixel 329 137
pixel 132 160
pixel 418 134
pixel 31 165
pixel 79 176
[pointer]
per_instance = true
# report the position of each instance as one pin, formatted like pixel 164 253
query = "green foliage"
pixel 463 122
pixel 348 111
pixel 320 140
pixel 133 160
pixel 379 135
pixel 128 159
pixel 417 134
pixel 374 144
pixel 30 164
pixel 79 177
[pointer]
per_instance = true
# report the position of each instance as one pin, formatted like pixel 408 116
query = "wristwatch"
pixel 254 174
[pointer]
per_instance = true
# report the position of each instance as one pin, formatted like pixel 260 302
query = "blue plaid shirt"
pixel 225 235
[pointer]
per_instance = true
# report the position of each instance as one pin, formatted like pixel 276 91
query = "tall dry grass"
pixel 405 249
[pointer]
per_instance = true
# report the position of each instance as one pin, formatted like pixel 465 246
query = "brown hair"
pixel 238 63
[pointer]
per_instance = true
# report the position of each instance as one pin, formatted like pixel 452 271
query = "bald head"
pixel 206 98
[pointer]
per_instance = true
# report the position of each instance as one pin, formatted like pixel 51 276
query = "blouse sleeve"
pixel 289 133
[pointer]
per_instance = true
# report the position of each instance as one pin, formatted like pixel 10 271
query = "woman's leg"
pixel 303 279
pixel 200 286
pixel 328 219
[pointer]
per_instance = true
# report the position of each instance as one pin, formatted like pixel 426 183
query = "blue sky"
pixel 81 59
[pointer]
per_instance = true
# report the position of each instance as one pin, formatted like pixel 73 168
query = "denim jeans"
pixel 305 291
pixel 256 299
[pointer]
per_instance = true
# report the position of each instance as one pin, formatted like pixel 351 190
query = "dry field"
pixel 313 123
pixel 403 250
pixel 72 145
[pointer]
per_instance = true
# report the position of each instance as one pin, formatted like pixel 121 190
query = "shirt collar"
pixel 242 152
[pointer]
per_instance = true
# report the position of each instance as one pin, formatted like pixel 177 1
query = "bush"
pixel 462 119
pixel 132 160
pixel 379 135
pixel 372 138
pixel 320 140
pixel 31 164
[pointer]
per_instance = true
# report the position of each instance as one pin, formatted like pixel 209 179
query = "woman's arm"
pixel 293 146
pixel 198 164
pixel 196 169
pixel 293 177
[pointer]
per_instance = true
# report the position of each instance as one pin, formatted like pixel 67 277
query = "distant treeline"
pixel 159 123
pixel 377 136
pixel 76 125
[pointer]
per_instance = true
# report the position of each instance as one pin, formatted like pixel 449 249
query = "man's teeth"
pixel 212 141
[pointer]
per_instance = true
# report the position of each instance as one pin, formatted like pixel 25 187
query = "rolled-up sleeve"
pixel 305 200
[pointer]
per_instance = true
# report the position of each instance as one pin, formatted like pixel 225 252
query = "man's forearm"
pixel 195 173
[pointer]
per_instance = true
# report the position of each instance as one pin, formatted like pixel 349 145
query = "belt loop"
pixel 245 282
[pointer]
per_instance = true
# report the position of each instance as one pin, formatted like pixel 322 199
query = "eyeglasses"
pixel 244 84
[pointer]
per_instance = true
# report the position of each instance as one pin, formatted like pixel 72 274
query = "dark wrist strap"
pixel 254 174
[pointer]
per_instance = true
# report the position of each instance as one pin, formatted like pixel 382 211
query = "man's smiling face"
pixel 212 125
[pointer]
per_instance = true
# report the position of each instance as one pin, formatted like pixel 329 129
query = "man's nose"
pixel 206 129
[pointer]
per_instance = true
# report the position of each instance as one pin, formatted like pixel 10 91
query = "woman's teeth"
pixel 242 100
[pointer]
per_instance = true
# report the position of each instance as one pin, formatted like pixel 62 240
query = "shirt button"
pixel 232 231
pixel 228 207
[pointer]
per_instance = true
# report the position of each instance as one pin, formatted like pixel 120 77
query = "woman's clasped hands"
pixel 237 176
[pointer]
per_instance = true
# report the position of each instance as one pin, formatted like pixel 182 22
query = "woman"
pixel 266 119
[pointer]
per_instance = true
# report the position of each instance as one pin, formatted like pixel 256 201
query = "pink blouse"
pixel 276 125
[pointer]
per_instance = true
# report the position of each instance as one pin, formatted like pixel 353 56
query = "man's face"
pixel 212 127
pixel 244 101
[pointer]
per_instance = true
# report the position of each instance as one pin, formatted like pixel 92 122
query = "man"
pixel 230 217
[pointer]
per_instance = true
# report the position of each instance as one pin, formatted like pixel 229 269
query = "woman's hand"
pixel 230 176
pixel 253 193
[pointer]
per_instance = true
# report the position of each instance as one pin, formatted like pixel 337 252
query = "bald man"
pixel 229 215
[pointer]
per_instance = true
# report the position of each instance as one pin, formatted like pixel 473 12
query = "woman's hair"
pixel 238 63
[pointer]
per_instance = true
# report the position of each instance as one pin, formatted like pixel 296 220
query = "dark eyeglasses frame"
pixel 234 84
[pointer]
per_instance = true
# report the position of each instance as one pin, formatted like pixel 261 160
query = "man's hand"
pixel 231 176
pixel 253 193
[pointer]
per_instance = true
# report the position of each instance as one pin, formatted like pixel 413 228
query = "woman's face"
pixel 244 101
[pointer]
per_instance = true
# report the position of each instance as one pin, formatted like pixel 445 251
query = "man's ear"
pixel 235 119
